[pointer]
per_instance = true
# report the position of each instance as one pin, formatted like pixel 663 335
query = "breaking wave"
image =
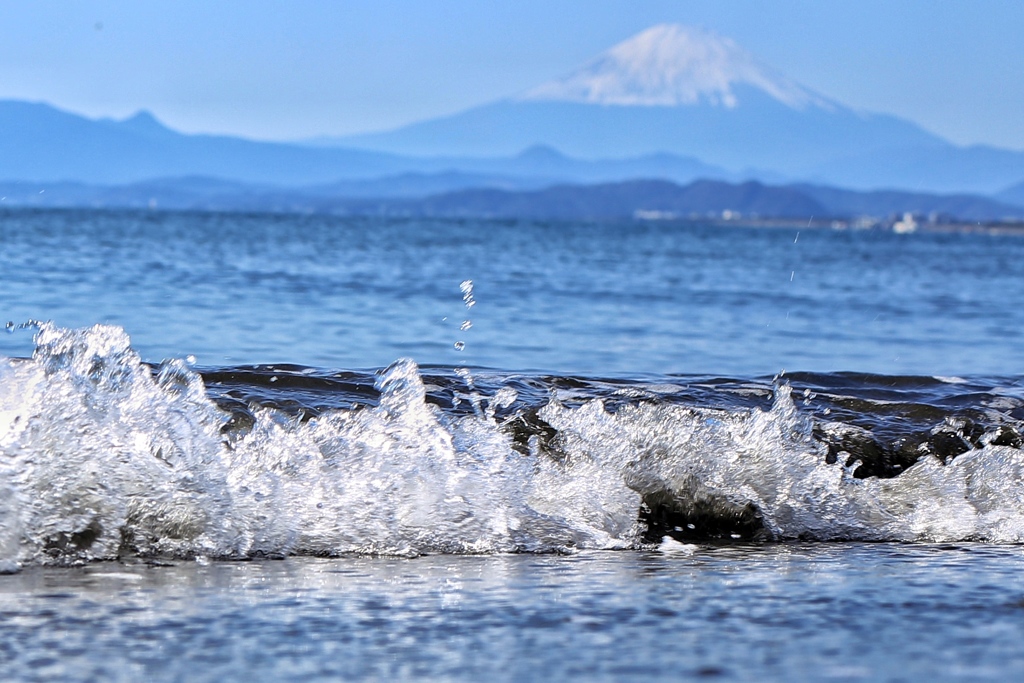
pixel 103 456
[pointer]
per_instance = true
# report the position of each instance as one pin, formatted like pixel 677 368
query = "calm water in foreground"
pixel 779 612
pixel 589 464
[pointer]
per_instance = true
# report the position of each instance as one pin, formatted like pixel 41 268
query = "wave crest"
pixel 103 456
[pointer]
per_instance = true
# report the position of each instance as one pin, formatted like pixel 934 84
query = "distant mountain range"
pixel 429 195
pixel 41 143
pixel 668 89
pixel 672 103
pixel 678 90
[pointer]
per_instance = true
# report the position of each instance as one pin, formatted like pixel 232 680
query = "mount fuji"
pixel 690 92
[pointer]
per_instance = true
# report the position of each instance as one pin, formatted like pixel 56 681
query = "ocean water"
pixel 238 446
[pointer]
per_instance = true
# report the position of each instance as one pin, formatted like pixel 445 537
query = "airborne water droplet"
pixel 466 287
pixel 460 345
pixel 466 324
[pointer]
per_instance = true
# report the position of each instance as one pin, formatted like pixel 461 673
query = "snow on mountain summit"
pixel 672 65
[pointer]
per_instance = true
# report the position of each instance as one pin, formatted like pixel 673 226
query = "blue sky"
pixel 286 70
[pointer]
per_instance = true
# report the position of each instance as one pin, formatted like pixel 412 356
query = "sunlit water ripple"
pixel 508 450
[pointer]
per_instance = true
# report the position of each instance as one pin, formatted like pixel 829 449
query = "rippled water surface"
pixel 591 298
pixel 268 447
pixel 781 612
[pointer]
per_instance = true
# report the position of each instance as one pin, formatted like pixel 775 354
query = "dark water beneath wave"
pixel 619 388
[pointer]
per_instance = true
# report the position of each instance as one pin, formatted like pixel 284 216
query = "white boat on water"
pixel 906 225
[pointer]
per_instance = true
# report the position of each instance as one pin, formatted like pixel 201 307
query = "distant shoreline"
pixel 706 201
pixel 1012 227
pixel 982 227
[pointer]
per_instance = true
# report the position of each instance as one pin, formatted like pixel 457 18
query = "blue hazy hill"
pixel 1013 194
pixel 39 142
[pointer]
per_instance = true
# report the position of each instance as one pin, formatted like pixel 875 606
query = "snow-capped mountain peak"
pixel 673 65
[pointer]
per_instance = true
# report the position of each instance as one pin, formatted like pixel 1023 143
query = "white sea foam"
pixel 100 458
pixel 771 461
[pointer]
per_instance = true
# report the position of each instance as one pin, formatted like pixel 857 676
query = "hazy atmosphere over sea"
pixel 442 342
